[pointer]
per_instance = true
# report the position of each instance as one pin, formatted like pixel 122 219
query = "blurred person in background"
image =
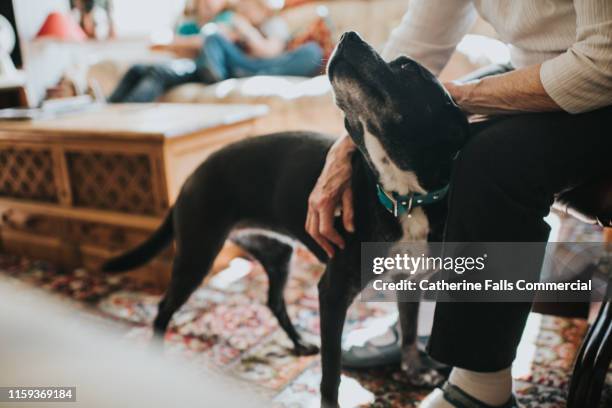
pixel 221 40
pixel 94 17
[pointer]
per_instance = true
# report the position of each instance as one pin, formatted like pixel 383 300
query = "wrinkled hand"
pixel 159 47
pixel 456 91
pixel 333 188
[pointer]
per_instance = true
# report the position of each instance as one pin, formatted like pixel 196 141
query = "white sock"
pixel 435 399
pixel 491 388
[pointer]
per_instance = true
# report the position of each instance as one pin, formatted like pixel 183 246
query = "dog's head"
pixel 398 107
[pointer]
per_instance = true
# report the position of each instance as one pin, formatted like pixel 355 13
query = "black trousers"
pixel 503 185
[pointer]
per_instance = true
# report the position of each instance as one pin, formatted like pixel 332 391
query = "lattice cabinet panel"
pixel 112 181
pixel 27 173
pixel 77 189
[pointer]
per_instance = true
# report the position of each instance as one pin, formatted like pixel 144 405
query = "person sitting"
pixel 235 41
pixel 547 129
pixel 94 17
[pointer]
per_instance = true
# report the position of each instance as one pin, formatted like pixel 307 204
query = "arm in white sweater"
pixel 580 79
pixel 576 81
pixel 430 31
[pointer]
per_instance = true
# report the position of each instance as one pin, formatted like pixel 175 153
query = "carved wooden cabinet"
pixel 78 188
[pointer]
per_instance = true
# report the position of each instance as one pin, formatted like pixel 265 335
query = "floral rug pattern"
pixel 229 327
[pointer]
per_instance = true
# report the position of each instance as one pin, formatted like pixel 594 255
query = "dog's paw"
pixel 412 370
pixel 428 378
pixel 412 364
pixel 420 370
pixel 305 349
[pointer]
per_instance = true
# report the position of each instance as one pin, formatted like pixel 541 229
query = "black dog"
pixel 407 130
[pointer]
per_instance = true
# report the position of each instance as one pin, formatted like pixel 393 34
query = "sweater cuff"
pixel 561 81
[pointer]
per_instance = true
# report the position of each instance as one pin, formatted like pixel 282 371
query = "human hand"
pixel 244 29
pixel 455 90
pixel 333 188
pixel 460 92
pixel 159 47
pixel 172 49
pixel 228 32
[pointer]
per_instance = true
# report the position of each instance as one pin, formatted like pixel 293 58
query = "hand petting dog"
pixel 333 189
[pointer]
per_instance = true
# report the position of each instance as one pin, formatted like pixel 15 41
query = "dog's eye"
pixel 405 65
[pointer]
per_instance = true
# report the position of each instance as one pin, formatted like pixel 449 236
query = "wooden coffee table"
pixel 78 188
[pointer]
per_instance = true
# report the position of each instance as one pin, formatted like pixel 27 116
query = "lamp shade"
pixel 62 27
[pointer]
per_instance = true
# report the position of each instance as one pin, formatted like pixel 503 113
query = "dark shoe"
pixel 370 355
pixel 206 75
pixel 460 399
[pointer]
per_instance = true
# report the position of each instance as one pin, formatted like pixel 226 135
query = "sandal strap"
pixel 461 399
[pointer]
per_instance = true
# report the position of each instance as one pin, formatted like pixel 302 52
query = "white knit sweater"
pixel 572 40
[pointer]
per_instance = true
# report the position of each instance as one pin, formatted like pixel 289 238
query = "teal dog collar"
pixel 398 204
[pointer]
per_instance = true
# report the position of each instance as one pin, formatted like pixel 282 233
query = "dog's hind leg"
pixel 274 254
pixel 337 289
pixel 198 241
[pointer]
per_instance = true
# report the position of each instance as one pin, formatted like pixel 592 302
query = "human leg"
pixel 131 79
pixel 221 59
pixel 504 182
pixel 145 83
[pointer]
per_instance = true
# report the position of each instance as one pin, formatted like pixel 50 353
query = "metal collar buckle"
pixel 406 204
pixel 398 204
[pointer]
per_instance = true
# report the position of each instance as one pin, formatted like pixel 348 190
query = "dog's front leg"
pixel 408 307
pixel 408 317
pixel 336 292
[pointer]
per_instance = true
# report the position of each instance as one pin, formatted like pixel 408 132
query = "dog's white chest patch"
pixel 416 226
pixel 391 177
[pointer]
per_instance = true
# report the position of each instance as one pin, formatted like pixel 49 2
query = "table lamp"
pixel 61 27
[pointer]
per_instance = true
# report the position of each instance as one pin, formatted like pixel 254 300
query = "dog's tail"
pixel 144 252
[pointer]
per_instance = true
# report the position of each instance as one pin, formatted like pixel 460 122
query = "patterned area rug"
pixel 227 325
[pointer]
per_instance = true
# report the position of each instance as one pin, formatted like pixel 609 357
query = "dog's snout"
pixel 350 46
pixel 350 36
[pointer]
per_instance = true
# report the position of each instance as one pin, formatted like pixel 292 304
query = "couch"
pixel 295 102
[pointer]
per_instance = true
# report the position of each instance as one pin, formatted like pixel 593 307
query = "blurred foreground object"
pixel 45 343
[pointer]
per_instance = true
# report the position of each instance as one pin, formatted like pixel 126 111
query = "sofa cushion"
pixel 271 90
pixel 296 103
